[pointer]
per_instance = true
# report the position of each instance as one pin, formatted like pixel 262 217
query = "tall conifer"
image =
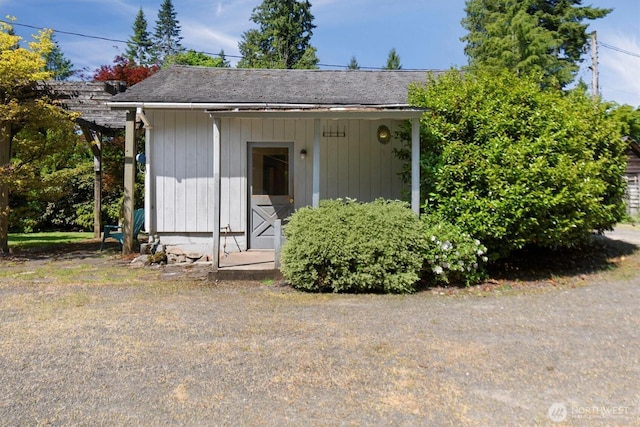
pixel 139 44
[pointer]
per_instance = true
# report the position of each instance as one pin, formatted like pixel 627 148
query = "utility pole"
pixel 595 90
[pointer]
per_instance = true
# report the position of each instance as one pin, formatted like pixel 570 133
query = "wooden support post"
pixel 97 194
pixel 149 188
pixel 315 199
pixel 415 165
pixel 94 139
pixel 216 193
pixel 128 203
pixel 595 90
pixel 277 243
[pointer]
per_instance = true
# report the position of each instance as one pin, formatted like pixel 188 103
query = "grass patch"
pixel 36 240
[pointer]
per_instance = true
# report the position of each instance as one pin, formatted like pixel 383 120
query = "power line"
pixel 64 32
pixel 206 53
pixel 605 45
pixel 617 49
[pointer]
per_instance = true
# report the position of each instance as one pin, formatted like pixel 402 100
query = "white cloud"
pixel 203 38
pixel 216 27
pixel 619 71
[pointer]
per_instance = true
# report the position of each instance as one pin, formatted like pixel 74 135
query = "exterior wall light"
pixel 384 134
pixel 303 153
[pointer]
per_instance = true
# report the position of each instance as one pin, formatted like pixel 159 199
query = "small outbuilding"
pixel 632 176
pixel 229 151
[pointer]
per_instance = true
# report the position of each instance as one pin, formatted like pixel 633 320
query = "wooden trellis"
pixel 96 121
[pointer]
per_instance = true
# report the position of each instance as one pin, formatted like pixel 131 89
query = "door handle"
pixel 291 200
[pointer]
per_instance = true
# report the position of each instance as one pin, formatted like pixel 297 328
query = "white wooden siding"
pixel 182 161
pixel 355 165
pixel 632 194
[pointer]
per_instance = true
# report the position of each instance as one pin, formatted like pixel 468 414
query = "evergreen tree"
pixel 393 61
pixel 61 67
pixel 283 37
pixel 544 36
pixel 223 57
pixel 353 64
pixel 166 36
pixel 139 44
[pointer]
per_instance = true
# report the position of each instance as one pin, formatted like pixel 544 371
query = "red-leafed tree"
pixel 124 70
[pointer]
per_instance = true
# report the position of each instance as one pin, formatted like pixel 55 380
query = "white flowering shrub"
pixel 451 255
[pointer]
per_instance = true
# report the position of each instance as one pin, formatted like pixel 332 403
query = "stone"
pixel 174 251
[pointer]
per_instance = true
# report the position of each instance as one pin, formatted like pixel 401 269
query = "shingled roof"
pixel 193 85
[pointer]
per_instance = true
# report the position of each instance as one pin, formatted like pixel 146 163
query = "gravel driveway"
pixel 104 346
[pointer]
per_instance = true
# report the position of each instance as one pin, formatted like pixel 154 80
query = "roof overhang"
pixel 268 110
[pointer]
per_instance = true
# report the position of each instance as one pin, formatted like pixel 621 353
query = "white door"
pixel 270 190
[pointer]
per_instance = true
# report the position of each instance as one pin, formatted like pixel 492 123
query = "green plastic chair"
pixel 112 230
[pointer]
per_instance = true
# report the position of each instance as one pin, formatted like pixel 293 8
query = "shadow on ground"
pixel 64 251
pixel 532 264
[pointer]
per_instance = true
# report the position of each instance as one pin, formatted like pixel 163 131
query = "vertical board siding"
pixel 355 166
pixel 169 177
pixel 343 159
pixel 226 165
pixel 180 157
pixel 157 160
pixel 354 158
pixel 364 163
pixel 304 180
pixel 183 171
pixel 204 174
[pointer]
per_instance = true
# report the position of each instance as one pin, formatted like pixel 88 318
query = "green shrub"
pixel 345 246
pixel 515 165
pixel 452 256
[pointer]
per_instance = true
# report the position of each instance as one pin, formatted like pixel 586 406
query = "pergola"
pixel 96 121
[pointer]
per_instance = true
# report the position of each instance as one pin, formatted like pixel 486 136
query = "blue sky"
pixel 425 33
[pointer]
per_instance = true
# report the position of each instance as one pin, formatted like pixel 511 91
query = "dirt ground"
pixel 88 340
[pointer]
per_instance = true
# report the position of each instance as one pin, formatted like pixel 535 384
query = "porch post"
pixel 97 187
pixel 94 139
pixel 315 200
pixel 129 182
pixel 216 194
pixel 415 165
pixel 148 184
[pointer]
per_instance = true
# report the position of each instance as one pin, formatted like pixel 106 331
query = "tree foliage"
pixel 124 70
pixel 61 67
pixel 513 164
pixel 393 61
pixel 628 119
pixel 353 64
pixel 65 180
pixel 32 126
pixel 283 37
pixel 530 36
pixel 166 36
pixel 139 44
pixel 199 59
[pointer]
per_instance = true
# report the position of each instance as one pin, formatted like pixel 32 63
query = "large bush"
pixel 345 246
pixel 513 164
